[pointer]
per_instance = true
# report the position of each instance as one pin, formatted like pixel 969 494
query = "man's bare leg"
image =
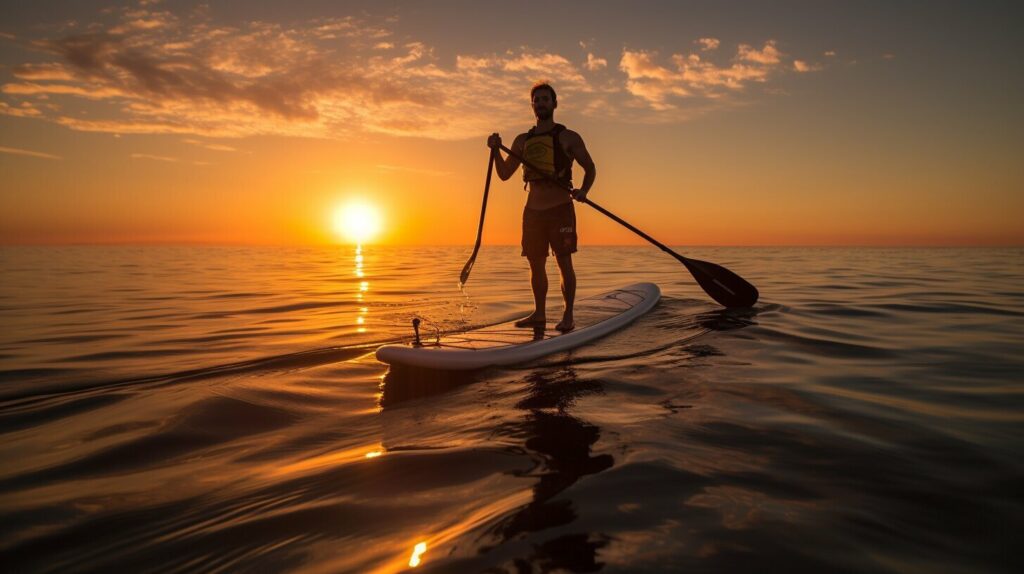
pixel 568 291
pixel 539 283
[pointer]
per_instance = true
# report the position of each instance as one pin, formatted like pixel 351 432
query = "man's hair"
pixel 544 86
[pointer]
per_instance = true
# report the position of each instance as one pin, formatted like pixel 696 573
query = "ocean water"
pixel 202 409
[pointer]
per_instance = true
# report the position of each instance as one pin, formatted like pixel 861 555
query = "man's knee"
pixel 537 262
pixel 564 262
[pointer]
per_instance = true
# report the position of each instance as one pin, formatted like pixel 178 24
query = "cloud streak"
pixel 29 153
pixel 209 145
pixel 152 71
pixel 163 158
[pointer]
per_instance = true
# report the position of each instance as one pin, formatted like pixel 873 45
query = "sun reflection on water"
pixel 364 286
pixel 417 551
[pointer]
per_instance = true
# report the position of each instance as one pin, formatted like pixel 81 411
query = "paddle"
pixel 464 276
pixel 724 286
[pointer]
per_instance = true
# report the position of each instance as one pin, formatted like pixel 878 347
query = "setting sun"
pixel 357 221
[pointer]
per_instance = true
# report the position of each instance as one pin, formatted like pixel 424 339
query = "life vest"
pixel 544 151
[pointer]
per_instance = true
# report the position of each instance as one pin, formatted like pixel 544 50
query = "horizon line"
pixel 469 245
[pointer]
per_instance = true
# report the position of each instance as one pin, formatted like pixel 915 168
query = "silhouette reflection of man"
pixel 565 444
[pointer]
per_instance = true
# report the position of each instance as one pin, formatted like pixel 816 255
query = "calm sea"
pixel 192 409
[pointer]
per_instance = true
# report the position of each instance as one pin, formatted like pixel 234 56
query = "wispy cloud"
pixel 154 157
pixel 169 159
pixel 27 152
pixel 22 110
pixel 148 70
pixel 209 145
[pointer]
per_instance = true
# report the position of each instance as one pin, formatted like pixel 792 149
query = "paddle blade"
pixel 464 276
pixel 724 286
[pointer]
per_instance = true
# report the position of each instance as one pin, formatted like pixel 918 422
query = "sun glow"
pixel 357 221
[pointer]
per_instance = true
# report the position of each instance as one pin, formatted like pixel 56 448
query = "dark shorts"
pixel 554 227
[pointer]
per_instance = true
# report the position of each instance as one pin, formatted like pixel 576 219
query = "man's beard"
pixel 542 114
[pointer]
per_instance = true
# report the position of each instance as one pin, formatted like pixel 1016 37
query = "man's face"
pixel 543 105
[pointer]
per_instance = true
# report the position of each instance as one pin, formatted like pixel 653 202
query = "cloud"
pixel 141 126
pixel 692 84
pixel 52 71
pixel 544 64
pixel 649 81
pixel 22 110
pixel 801 66
pixel 209 145
pixel 768 54
pixel 708 44
pixel 154 157
pixel 594 63
pixel 29 153
pixel 641 65
pixel 143 20
pixel 93 92
pixel 143 70
pixel 203 79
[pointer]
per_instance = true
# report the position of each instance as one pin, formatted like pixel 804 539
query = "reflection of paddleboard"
pixel 506 344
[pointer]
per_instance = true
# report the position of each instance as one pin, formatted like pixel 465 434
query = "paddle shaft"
pixel 483 207
pixel 480 229
pixel 611 215
pixel 722 285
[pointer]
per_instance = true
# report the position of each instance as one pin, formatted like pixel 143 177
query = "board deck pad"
pixel 505 343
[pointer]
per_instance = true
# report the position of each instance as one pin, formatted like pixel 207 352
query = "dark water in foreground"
pixel 216 409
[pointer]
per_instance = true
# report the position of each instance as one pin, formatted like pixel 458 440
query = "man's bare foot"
pixel 566 325
pixel 533 320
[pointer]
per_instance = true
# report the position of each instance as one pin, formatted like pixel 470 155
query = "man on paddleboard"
pixel 549 218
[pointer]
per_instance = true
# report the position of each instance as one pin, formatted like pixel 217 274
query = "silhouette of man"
pixel 549 218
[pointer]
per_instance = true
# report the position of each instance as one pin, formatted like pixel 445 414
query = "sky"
pixel 711 123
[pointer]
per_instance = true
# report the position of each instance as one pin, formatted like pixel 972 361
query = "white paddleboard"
pixel 506 344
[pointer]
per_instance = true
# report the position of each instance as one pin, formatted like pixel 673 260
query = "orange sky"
pixel 151 122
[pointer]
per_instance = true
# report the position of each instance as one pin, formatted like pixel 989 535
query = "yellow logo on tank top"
pixel 539 151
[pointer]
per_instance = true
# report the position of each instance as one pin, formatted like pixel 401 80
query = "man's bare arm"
pixel 578 151
pixel 506 167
